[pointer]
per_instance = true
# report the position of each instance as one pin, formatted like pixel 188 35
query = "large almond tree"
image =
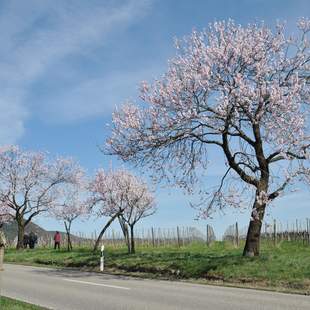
pixel 244 91
pixel 30 184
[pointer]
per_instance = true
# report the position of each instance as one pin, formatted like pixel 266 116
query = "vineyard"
pixel 180 236
pixel 273 232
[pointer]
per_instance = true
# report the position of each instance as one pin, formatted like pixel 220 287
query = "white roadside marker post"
pixel 102 259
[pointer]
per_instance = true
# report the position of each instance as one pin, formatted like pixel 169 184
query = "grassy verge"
pixel 12 304
pixel 285 267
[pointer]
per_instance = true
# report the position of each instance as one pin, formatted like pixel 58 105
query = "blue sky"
pixel 65 65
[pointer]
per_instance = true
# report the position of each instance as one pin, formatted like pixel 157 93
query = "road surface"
pixel 75 290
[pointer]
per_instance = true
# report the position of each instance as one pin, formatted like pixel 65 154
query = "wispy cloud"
pixel 37 34
pixel 95 97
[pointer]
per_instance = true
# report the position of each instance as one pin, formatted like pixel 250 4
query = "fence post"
pixel 153 237
pixel 274 233
pixel 113 238
pixel 297 230
pixel 308 230
pixel 178 235
pixel 287 232
pixel 237 235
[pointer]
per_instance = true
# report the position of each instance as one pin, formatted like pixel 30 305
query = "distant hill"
pixel 10 231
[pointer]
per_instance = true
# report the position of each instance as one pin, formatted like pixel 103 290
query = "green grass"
pixel 12 304
pixel 285 267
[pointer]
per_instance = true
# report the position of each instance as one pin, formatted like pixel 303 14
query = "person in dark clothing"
pixel 57 239
pixel 32 240
pixel 25 241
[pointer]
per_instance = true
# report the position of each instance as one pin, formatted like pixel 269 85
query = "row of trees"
pixel 32 184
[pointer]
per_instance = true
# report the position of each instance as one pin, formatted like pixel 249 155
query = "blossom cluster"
pixel 30 183
pixel 120 192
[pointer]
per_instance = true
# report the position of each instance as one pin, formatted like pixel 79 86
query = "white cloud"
pixel 95 97
pixel 37 34
pixel 11 116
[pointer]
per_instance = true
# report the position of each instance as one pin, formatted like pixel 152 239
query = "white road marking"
pixel 98 284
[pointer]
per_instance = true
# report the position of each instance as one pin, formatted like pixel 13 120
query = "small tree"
pixel 111 193
pixel 139 206
pixel 107 196
pixel 30 184
pixel 244 91
pixel 70 206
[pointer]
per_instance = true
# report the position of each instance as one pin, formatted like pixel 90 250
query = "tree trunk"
pixel 124 228
pixel 128 240
pixel 132 240
pixel 69 243
pixel 107 225
pixel 20 234
pixel 252 244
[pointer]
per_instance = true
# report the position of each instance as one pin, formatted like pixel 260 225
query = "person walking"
pixel 33 239
pixel 57 239
pixel 2 246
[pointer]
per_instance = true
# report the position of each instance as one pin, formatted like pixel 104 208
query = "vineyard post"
pixel 308 230
pixel 158 237
pixel 237 235
pixel 287 231
pixel 153 239
pixel 274 232
pixel 113 238
pixel 178 235
pixel 297 230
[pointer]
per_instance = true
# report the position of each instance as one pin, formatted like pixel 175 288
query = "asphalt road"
pixel 75 290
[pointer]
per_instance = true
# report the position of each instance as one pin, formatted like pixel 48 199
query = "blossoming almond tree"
pixel 112 193
pixel 30 184
pixel 70 206
pixel 140 204
pixel 107 196
pixel 242 90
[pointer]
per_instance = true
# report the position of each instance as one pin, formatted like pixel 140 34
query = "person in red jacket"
pixel 57 239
